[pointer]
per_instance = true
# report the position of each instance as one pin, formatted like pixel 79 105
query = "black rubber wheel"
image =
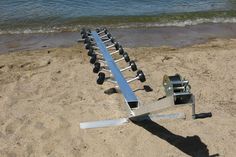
pixel 87 40
pixel 90 52
pixel 88 46
pixel 93 58
pixel 141 76
pixel 105 31
pixel 109 35
pixel 89 30
pixel 113 40
pixel 121 50
pixel 126 57
pixel 83 31
pixel 133 65
pixel 117 45
pixel 96 68
pixel 85 35
pixel 97 30
pixel 101 78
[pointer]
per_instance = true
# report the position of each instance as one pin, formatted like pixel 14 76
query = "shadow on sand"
pixel 190 145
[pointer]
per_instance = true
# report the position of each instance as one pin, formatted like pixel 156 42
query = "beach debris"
pixel 25 64
pixel 103 50
pixel 166 58
pixel 2 66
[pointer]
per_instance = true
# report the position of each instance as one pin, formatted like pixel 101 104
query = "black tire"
pixel 88 45
pixel 113 40
pixel 90 52
pixel 87 40
pixel 85 35
pixel 83 31
pixel 105 31
pixel 117 45
pixel 126 57
pixel 93 59
pixel 97 30
pixel 121 50
pixel 141 76
pixel 96 68
pixel 133 65
pixel 109 35
pixel 101 78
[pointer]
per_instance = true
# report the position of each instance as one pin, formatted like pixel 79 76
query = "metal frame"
pixel 127 92
pixel 139 113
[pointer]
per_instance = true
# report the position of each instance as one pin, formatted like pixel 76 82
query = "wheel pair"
pixel 93 58
pixel 87 40
pixel 97 67
pixel 101 78
pixel 89 45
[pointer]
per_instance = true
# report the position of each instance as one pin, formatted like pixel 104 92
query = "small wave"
pixel 41 30
pixel 133 24
pixel 181 23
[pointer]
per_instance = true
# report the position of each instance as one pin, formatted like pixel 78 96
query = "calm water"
pixel 26 16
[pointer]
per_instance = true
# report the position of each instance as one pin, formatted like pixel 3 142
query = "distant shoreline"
pixel 129 37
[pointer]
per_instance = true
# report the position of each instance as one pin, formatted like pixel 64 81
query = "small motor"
pixel 179 88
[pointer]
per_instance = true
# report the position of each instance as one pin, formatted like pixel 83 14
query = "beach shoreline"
pixel 172 36
pixel 46 93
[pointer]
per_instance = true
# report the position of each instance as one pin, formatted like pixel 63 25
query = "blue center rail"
pixel 127 92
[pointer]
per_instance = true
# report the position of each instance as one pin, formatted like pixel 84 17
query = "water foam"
pixel 176 23
pixel 182 23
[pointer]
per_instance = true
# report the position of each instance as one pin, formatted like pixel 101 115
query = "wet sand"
pixel 45 94
pixel 128 37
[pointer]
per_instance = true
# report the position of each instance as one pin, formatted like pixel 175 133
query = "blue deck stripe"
pixel 124 86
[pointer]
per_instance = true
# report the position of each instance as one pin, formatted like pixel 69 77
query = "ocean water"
pixel 42 16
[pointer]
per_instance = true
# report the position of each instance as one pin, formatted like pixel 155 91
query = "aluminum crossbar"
pixel 127 92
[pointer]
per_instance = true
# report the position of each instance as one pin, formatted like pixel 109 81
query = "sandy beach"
pixel 45 94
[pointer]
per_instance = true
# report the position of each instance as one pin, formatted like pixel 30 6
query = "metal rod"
pixel 127 92
pixel 118 60
pixel 80 40
pixel 179 82
pixel 103 36
pixel 129 81
pixel 126 68
pixel 97 48
pixel 110 46
pixel 180 94
pixel 98 53
pixel 102 61
pixel 111 81
pixel 114 52
pixel 193 107
pixel 101 32
pixel 106 41
pixel 178 88
pixel 106 70
pixel 133 79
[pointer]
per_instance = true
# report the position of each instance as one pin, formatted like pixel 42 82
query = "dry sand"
pixel 45 94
